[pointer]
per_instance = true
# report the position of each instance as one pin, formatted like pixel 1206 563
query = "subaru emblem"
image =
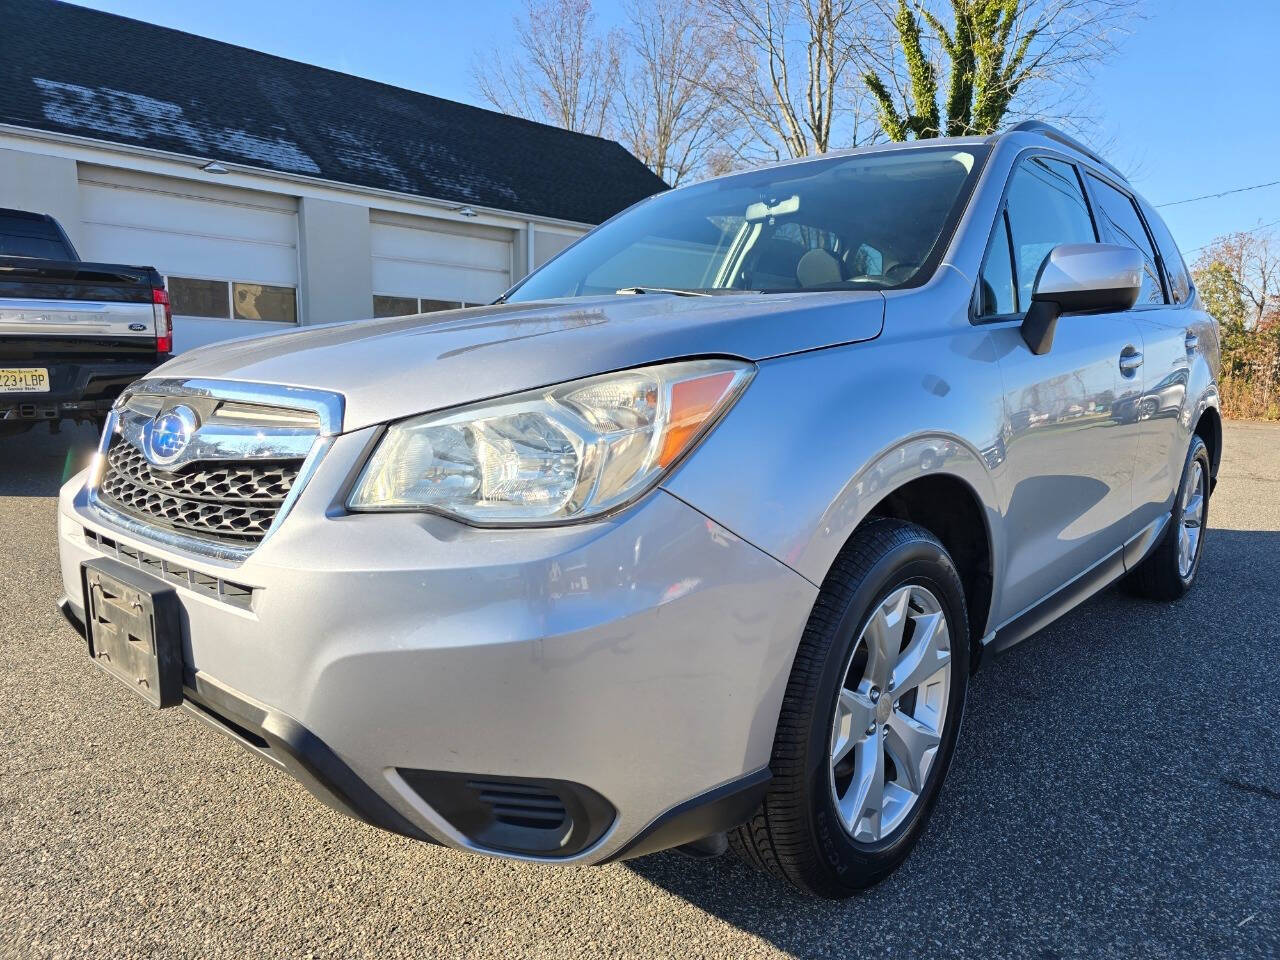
pixel 165 437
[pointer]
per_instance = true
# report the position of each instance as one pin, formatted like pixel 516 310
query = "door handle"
pixel 1191 341
pixel 1130 361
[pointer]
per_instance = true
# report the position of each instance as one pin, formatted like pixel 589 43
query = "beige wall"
pixel 42 184
pixel 336 281
pixel 546 245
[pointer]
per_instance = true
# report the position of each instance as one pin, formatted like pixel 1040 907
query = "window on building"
pixel 199 298
pixel 384 306
pixel 227 299
pixel 431 306
pixel 259 301
pixel 1126 227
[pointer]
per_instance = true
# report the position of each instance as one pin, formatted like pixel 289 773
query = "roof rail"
pixel 1053 133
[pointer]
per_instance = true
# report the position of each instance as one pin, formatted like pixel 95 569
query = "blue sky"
pixel 1189 106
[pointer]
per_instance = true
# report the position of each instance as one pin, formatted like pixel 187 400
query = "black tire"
pixel 1159 576
pixel 797 834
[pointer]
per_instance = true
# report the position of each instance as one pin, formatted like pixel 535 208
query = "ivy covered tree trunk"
pixel 986 63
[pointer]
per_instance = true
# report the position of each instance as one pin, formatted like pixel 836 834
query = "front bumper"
pixel 642 658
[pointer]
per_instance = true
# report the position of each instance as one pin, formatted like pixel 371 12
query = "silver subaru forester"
pixel 694 537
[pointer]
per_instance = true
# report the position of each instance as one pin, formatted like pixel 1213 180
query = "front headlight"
pixel 561 453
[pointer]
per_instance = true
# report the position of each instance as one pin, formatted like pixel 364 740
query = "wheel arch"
pixel 954 498
pixel 1209 429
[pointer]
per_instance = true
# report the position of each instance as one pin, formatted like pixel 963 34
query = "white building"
pixel 271 193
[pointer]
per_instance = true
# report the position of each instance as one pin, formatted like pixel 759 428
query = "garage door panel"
pixel 415 279
pixel 419 261
pixel 396 242
pixel 185 235
pixel 192 256
pixel 140 208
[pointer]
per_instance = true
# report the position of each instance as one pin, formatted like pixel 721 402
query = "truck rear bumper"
pixel 78 390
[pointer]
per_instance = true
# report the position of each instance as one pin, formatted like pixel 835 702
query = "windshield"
pixel 872 221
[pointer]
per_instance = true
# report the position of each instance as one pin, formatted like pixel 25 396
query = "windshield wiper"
pixel 673 290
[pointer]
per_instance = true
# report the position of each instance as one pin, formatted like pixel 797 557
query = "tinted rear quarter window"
pixel 1121 215
pixel 1175 268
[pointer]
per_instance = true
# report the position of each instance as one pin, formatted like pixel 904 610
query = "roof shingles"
pixel 72 70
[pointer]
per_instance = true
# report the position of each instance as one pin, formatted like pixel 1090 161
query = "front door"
pixel 1067 482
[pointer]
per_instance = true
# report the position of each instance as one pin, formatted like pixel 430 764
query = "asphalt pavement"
pixel 1116 792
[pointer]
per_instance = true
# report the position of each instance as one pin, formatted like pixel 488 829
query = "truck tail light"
pixel 164 320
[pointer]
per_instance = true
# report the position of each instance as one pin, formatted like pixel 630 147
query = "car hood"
pixel 392 368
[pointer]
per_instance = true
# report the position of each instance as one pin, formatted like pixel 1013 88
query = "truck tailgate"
pixel 58 309
pixel 58 329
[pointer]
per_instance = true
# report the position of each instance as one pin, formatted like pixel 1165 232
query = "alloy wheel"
pixel 891 713
pixel 1189 529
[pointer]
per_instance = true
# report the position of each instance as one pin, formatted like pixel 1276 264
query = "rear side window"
pixel 1120 213
pixel 1175 268
pixel 24 236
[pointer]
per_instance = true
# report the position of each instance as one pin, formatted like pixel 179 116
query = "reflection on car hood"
pixel 387 369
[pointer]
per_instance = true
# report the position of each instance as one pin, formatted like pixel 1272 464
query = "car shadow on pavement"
pixel 37 463
pixel 1077 810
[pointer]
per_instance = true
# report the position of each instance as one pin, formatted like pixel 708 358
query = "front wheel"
pixel 1170 569
pixel 870 717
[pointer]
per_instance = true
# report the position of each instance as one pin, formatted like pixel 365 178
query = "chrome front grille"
pixel 235 502
pixel 220 484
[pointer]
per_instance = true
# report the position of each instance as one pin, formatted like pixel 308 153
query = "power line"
pixel 1261 226
pixel 1224 193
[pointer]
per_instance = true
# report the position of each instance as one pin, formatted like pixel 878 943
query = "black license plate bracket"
pixel 134 629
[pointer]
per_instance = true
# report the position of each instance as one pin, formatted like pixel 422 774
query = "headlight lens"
pixel 562 453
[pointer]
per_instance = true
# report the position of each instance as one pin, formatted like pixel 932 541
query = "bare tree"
pixel 786 75
pixel 1252 260
pixel 669 116
pixel 565 73
pixel 1001 59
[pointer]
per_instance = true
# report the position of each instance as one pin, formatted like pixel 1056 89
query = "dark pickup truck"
pixel 72 334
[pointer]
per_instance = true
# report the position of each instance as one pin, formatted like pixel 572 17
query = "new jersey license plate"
pixel 24 380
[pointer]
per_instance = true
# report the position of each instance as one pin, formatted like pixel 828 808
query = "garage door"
pixel 415 257
pixel 230 257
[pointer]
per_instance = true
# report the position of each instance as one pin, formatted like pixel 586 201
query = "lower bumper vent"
pixel 548 818
pixel 236 594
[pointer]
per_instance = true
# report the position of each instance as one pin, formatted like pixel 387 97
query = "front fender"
pixel 819 439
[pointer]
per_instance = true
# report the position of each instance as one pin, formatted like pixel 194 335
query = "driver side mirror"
pixel 1080 278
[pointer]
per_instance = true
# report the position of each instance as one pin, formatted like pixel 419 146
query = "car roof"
pixel 1046 131
pixel 1029 129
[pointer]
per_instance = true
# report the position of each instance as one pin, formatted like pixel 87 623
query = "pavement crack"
pixel 1254 788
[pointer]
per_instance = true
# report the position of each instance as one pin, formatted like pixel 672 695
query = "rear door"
pixel 1067 480
pixel 1170 334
